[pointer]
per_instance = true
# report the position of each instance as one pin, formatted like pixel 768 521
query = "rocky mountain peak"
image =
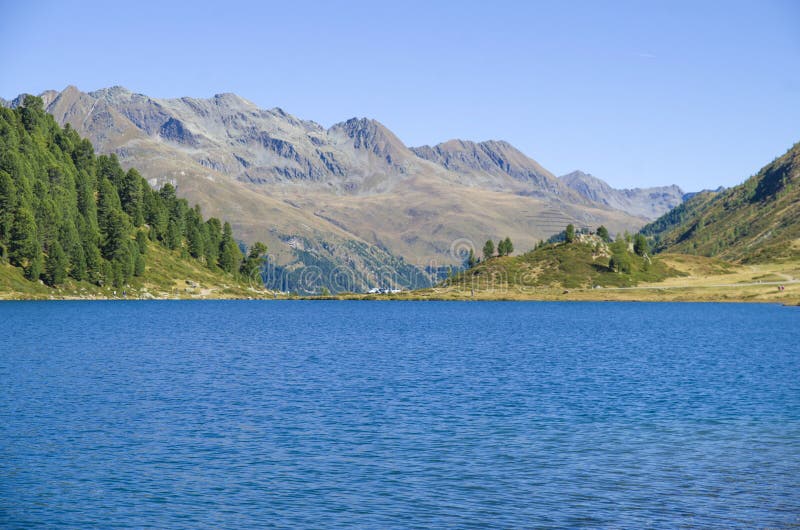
pixel 232 100
pixel 48 96
pixel 495 163
pixel 114 93
pixel 68 90
pixel 360 128
pixel 277 111
pixel 585 183
pixel 498 144
pixel 371 136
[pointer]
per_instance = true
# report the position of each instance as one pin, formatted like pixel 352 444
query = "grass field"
pixel 701 280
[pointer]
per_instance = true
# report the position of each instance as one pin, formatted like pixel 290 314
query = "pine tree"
pixel 229 254
pixel 31 112
pixel 488 249
pixel 56 265
pixel 35 266
pixel 213 230
pixel 640 246
pixel 509 246
pixel 70 243
pixel 569 234
pixel 118 274
pixel 505 247
pixel 94 260
pixel 8 202
pixel 115 233
pixel 254 261
pixel 156 215
pixel 132 196
pixel 141 242
pixel 140 265
pixel 78 265
pixel 602 233
pixel 471 261
pixel 173 235
pixel 106 273
pixel 195 236
pixel 24 248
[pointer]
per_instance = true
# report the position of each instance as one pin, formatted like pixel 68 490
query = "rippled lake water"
pixel 407 414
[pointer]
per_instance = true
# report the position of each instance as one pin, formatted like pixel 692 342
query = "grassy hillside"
pixel 584 263
pixel 755 222
pixel 689 279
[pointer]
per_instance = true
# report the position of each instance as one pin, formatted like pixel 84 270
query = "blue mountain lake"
pixel 242 414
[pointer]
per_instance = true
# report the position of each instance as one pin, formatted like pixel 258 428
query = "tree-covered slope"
pixel 758 220
pixel 67 215
pixel 167 275
pixel 676 216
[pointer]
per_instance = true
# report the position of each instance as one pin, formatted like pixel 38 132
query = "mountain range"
pixel 349 206
pixel 648 203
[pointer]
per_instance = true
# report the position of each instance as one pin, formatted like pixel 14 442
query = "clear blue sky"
pixel 639 93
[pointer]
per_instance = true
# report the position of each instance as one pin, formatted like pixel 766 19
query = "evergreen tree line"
pixel 504 248
pixel 65 212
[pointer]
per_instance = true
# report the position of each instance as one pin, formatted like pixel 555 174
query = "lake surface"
pixel 406 414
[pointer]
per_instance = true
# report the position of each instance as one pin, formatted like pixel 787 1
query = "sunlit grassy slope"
pixel 672 277
pixel 755 222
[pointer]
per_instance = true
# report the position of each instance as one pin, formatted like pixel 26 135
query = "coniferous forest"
pixel 67 213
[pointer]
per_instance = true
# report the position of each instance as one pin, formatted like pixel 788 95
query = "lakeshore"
pixel 698 282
